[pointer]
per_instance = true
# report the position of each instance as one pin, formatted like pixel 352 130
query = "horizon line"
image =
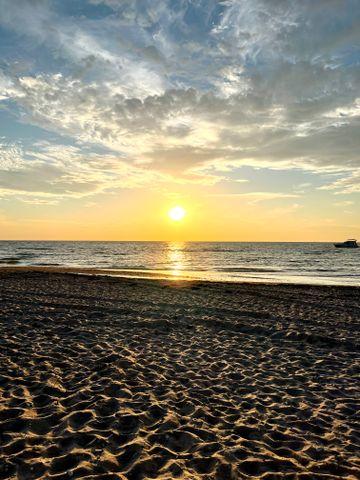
pixel 168 241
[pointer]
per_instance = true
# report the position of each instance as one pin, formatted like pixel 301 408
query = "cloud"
pixel 47 173
pixel 11 157
pixel 345 203
pixel 256 197
pixel 346 185
pixel 184 92
pixel 186 127
pixel 80 44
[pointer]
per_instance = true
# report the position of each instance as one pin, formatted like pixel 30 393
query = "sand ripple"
pixel 123 379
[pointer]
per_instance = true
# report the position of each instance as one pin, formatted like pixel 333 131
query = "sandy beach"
pixel 114 378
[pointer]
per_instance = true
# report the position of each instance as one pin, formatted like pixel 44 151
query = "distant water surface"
pixel 315 263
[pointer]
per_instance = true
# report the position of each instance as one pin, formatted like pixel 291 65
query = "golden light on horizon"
pixel 177 213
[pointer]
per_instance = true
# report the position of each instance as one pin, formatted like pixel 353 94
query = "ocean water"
pixel 315 263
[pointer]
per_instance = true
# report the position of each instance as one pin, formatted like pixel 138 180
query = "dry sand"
pixel 129 379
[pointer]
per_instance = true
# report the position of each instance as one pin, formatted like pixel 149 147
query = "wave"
pixel 344 275
pixel 10 260
pixel 43 264
pixel 248 269
pixel 44 249
pixel 126 267
pixel 318 252
pixel 209 250
pixel 218 261
pixel 322 270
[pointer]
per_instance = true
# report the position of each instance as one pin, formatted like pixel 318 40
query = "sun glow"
pixel 176 213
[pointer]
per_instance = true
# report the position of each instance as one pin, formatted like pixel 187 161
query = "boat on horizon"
pixel 351 243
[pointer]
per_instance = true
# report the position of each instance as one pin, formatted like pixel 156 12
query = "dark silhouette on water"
pixel 351 243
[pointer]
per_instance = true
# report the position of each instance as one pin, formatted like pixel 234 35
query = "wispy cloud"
pixel 180 92
pixel 256 197
pixel 346 185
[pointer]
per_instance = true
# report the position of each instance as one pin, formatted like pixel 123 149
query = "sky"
pixel 244 112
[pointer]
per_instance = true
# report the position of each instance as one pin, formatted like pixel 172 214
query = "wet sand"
pixel 114 378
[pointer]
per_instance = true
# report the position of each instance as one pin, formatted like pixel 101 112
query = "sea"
pixel 304 263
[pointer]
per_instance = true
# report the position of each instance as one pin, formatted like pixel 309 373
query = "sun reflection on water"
pixel 176 257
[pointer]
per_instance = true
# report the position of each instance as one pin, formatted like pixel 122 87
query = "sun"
pixel 176 213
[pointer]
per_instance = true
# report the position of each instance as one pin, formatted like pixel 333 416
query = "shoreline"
pixel 127 379
pixel 160 276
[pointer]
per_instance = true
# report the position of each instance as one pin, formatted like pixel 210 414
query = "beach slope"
pixel 114 378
